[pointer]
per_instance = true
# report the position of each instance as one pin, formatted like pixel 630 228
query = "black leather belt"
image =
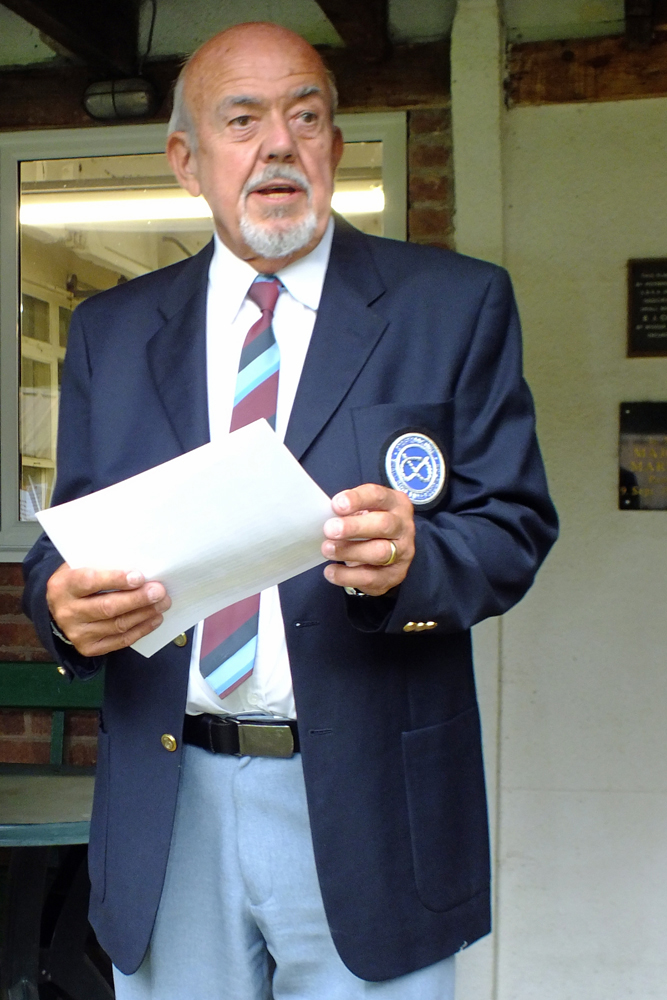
pixel 254 736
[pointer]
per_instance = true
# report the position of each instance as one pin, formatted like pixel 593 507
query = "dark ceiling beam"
pixel 363 26
pixel 412 77
pixel 101 33
pixel 639 22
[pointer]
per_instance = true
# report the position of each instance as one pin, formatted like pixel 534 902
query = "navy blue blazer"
pixel 406 336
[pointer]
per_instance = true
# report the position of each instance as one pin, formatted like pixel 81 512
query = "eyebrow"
pixel 249 100
pixel 238 100
pixel 306 91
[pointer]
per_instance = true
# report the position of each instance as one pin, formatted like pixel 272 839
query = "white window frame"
pixel 16 536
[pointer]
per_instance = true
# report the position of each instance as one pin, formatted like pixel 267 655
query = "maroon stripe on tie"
pixel 224 623
pixel 260 326
pixel 261 402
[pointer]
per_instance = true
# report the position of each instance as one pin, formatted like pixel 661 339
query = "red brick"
pixel 82 754
pixel 445 242
pixel 11 575
pixel 81 724
pixel 38 722
pixel 430 120
pixel 10 604
pixel 426 222
pixel 14 751
pixel 21 634
pixel 423 155
pixel 12 722
pixel 433 188
pixel 16 654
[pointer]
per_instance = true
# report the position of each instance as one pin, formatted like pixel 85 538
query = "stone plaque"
pixel 647 307
pixel 642 457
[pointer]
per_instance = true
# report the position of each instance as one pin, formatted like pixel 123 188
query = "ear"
pixel 183 162
pixel 337 146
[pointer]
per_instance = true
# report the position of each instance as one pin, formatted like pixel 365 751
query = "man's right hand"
pixel 97 622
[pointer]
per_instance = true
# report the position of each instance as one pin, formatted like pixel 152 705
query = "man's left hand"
pixel 369 518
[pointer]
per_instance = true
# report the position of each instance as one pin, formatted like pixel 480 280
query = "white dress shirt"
pixel 229 316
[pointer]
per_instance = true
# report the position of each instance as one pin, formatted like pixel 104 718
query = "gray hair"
pixel 182 121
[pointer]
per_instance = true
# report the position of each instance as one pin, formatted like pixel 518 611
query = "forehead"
pixel 264 70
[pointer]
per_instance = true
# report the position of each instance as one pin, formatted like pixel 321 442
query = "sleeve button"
pixel 62 671
pixel 430 625
pixel 409 627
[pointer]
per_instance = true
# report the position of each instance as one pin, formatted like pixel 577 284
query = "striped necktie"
pixel 229 637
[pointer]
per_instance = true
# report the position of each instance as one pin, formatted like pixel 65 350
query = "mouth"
pixel 278 190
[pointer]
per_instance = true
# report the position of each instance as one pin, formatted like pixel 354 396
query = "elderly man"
pixel 290 798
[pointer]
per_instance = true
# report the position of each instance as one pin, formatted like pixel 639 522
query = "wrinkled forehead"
pixel 261 71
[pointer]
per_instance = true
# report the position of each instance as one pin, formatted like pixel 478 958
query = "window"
pixel 99 207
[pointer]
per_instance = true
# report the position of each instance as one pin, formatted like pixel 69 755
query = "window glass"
pixel 89 223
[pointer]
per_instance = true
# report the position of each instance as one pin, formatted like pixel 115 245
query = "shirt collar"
pixel 303 279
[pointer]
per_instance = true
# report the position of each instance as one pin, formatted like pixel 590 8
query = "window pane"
pixel 359 195
pixel 34 318
pixel 87 224
pixel 64 317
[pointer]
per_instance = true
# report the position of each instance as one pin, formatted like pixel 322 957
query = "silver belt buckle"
pixel 257 740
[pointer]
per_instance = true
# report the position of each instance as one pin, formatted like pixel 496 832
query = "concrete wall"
pixel 583 769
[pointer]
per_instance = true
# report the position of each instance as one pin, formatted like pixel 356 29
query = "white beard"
pixel 273 243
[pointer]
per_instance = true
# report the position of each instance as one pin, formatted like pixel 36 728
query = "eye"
pixel 241 120
pixel 308 117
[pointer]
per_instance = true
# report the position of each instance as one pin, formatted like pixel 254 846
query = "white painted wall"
pixel 582 909
pixel 537 20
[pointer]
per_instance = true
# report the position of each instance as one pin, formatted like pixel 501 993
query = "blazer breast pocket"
pixel 406 447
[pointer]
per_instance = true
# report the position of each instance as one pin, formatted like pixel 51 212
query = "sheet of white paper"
pixel 215 525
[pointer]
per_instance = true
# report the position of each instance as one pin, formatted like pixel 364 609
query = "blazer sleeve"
pixel 478 553
pixel 72 481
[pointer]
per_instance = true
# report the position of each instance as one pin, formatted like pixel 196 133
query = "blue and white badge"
pixel 415 465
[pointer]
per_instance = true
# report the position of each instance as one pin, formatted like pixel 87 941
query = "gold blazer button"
pixel 168 742
pixel 181 640
pixel 409 626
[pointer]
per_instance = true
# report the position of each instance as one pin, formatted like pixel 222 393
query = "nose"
pixel 278 145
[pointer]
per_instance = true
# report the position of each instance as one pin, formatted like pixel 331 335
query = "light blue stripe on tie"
pixel 257 372
pixel 234 668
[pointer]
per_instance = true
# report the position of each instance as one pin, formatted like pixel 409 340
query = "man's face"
pixel 267 149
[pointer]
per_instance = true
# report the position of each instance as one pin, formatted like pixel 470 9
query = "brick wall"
pixel 430 178
pixel 24 736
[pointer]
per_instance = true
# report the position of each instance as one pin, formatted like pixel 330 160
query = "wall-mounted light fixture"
pixel 118 100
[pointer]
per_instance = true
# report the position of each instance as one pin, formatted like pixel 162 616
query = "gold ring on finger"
pixel 393 556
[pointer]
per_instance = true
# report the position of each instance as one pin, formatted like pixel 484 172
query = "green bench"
pixel 45 820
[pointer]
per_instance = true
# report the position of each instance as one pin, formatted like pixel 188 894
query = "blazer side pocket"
pixel 99 821
pixel 447 811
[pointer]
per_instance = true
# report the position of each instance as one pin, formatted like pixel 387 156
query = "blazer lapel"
pixel 345 333
pixel 177 353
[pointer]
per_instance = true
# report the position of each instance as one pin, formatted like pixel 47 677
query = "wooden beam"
pixel 586 70
pixel 413 76
pixel 101 33
pixel 362 26
pixel 639 22
pixel 410 77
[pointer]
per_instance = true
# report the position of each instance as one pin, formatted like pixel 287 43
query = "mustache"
pixel 277 172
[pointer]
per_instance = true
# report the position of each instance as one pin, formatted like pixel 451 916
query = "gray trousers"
pixel 241 915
